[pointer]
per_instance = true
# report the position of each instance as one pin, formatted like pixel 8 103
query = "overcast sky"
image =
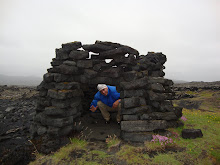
pixel 186 31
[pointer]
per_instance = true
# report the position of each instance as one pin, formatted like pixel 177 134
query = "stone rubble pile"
pixel 70 84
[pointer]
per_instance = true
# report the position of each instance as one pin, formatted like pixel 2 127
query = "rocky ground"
pixel 95 129
pixel 198 85
pixel 16 113
pixel 203 96
pixel 17 106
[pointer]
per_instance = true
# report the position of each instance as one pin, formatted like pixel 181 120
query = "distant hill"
pixel 20 80
pixel 175 81
pixel 34 81
pixel 179 81
pixel 200 84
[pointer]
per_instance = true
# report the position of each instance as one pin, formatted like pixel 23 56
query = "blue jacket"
pixel 111 97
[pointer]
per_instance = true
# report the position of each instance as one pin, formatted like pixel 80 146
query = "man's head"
pixel 103 89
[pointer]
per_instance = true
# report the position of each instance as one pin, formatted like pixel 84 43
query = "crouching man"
pixel 107 99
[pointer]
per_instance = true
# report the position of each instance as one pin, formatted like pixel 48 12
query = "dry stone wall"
pixel 70 84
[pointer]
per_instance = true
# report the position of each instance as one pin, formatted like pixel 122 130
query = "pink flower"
pixel 163 140
pixel 183 118
pixel 171 140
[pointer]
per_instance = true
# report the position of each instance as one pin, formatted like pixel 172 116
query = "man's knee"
pixel 119 107
pixel 99 103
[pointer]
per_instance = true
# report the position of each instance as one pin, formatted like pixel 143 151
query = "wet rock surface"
pixel 16 113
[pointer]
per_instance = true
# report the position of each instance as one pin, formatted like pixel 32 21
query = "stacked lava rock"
pixel 69 86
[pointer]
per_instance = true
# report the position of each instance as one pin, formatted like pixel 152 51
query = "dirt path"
pixel 95 129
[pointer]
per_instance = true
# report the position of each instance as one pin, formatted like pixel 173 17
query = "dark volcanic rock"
pixel 17 115
pixel 84 64
pixel 156 57
pixel 61 54
pixel 191 133
pixel 65 69
pixel 143 126
pixel 145 95
pixel 107 43
pixel 71 46
pixel 130 76
pixel 79 55
pixel 118 52
pixel 140 83
pixel 97 48
pixel 111 72
pixel 133 93
pixel 183 96
pixel 193 86
pixel 131 102
pixel 189 104
pixel 136 136
pixel 141 109
pixel 159 116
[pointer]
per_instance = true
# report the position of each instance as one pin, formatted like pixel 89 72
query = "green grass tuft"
pixel 164 159
pixel 112 141
pixel 78 143
pixel 132 155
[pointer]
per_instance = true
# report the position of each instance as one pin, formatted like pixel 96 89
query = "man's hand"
pixel 93 109
pixel 115 104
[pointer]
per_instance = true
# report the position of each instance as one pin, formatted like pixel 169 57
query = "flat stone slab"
pixel 136 136
pixel 118 52
pixel 136 110
pixel 79 55
pixel 136 84
pixel 97 48
pixel 143 125
pixel 159 116
pixel 71 46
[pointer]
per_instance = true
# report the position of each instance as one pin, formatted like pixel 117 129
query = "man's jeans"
pixel 106 109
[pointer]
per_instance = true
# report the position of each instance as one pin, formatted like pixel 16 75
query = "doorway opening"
pixel 94 127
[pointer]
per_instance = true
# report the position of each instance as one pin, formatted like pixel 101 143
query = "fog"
pixel 187 32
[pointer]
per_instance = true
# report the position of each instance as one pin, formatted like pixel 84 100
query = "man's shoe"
pixel 118 122
pixel 107 122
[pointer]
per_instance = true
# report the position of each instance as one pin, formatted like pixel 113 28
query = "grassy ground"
pixel 205 150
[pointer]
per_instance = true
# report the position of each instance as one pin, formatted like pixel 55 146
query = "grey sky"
pixel 187 31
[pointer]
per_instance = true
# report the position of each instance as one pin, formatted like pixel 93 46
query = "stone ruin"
pixel 70 85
